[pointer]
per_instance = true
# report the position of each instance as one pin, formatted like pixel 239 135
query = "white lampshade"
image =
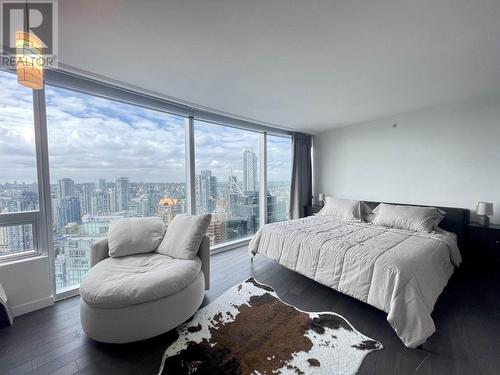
pixel 321 197
pixel 484 208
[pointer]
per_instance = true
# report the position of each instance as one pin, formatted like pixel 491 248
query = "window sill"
pixel 229 245
pixel 68 292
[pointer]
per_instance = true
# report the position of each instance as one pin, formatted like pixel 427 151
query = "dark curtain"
pixel 301 185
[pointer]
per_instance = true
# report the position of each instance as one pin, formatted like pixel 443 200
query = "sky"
pixel 92 138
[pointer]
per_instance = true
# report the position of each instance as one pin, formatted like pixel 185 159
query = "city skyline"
pixel 82 211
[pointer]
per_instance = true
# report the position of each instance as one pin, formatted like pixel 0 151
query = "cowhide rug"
pixel 250 330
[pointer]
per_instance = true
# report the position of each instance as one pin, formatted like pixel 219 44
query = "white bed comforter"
pixel 400 272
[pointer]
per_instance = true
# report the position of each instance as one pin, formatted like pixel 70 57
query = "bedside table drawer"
pixel 488 247
pixel 484 244
pixel 495 244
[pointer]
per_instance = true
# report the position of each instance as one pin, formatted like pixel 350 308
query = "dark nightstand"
pixel 483 245
pixel 311 210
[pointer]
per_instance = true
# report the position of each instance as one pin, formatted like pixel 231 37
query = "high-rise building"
pixel 112 200
pixel 100 184
pixel 231 194
pixel 100 203
pixel 85 196
pixel 96 227
pixel 122 193
pixel 77 258
pixel 168 208
pixel 236 228
pixel 53 200
pixel 249 170
pixel 19 238
pixel 28 201
pixel 154 199
pixel 68 211
pixel 139 206
pixel 67 204
pixel 213 190
pixel 202 191
pixel 65 188
pixel 246 208
pixel 206 192
pixel 216 230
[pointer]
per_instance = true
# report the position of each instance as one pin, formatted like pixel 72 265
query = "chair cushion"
pixel 135 279
pixel 134 235
pixel 184 236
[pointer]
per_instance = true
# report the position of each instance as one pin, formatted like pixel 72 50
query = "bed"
pixel 398 271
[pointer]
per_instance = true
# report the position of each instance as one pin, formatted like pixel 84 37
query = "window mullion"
pixel 263 179
pixel 44 225
pixel 190 166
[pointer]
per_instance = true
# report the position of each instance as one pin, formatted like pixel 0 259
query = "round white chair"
pixel 140 296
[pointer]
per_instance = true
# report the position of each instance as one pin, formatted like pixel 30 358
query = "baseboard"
pixel 32 306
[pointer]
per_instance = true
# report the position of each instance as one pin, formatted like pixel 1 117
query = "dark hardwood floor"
pixel 467 318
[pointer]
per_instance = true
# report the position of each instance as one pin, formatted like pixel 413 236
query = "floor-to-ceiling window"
pixel 108 160
pixel 279 171
pixel 227 180
pixel 18 168
pixel 84 154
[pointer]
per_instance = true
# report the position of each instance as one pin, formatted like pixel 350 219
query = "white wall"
pixel 27 284
pixel 447 156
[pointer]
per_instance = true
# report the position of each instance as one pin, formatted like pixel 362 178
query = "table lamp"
pixel 321 198
pixel 484 209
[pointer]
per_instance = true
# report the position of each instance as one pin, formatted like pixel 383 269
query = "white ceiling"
pixel 308 65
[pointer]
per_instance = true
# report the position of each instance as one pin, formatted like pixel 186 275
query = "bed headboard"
pixel 456 220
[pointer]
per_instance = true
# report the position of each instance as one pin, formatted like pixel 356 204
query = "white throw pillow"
pixel 346 209
pixel 419 219
pixel 184 236
pixel 134 236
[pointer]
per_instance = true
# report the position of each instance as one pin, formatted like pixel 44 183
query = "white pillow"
pixel 419 219
pixel 184 236
pixel 134 236
pixel 346 209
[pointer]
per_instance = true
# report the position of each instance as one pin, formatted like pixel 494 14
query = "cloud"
pixel 17 147
pixel 91 137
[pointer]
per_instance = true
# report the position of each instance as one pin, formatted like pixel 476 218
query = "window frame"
pixel 41 220
pixel 35 218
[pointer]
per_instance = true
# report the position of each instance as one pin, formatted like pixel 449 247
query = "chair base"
pixel 144 320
